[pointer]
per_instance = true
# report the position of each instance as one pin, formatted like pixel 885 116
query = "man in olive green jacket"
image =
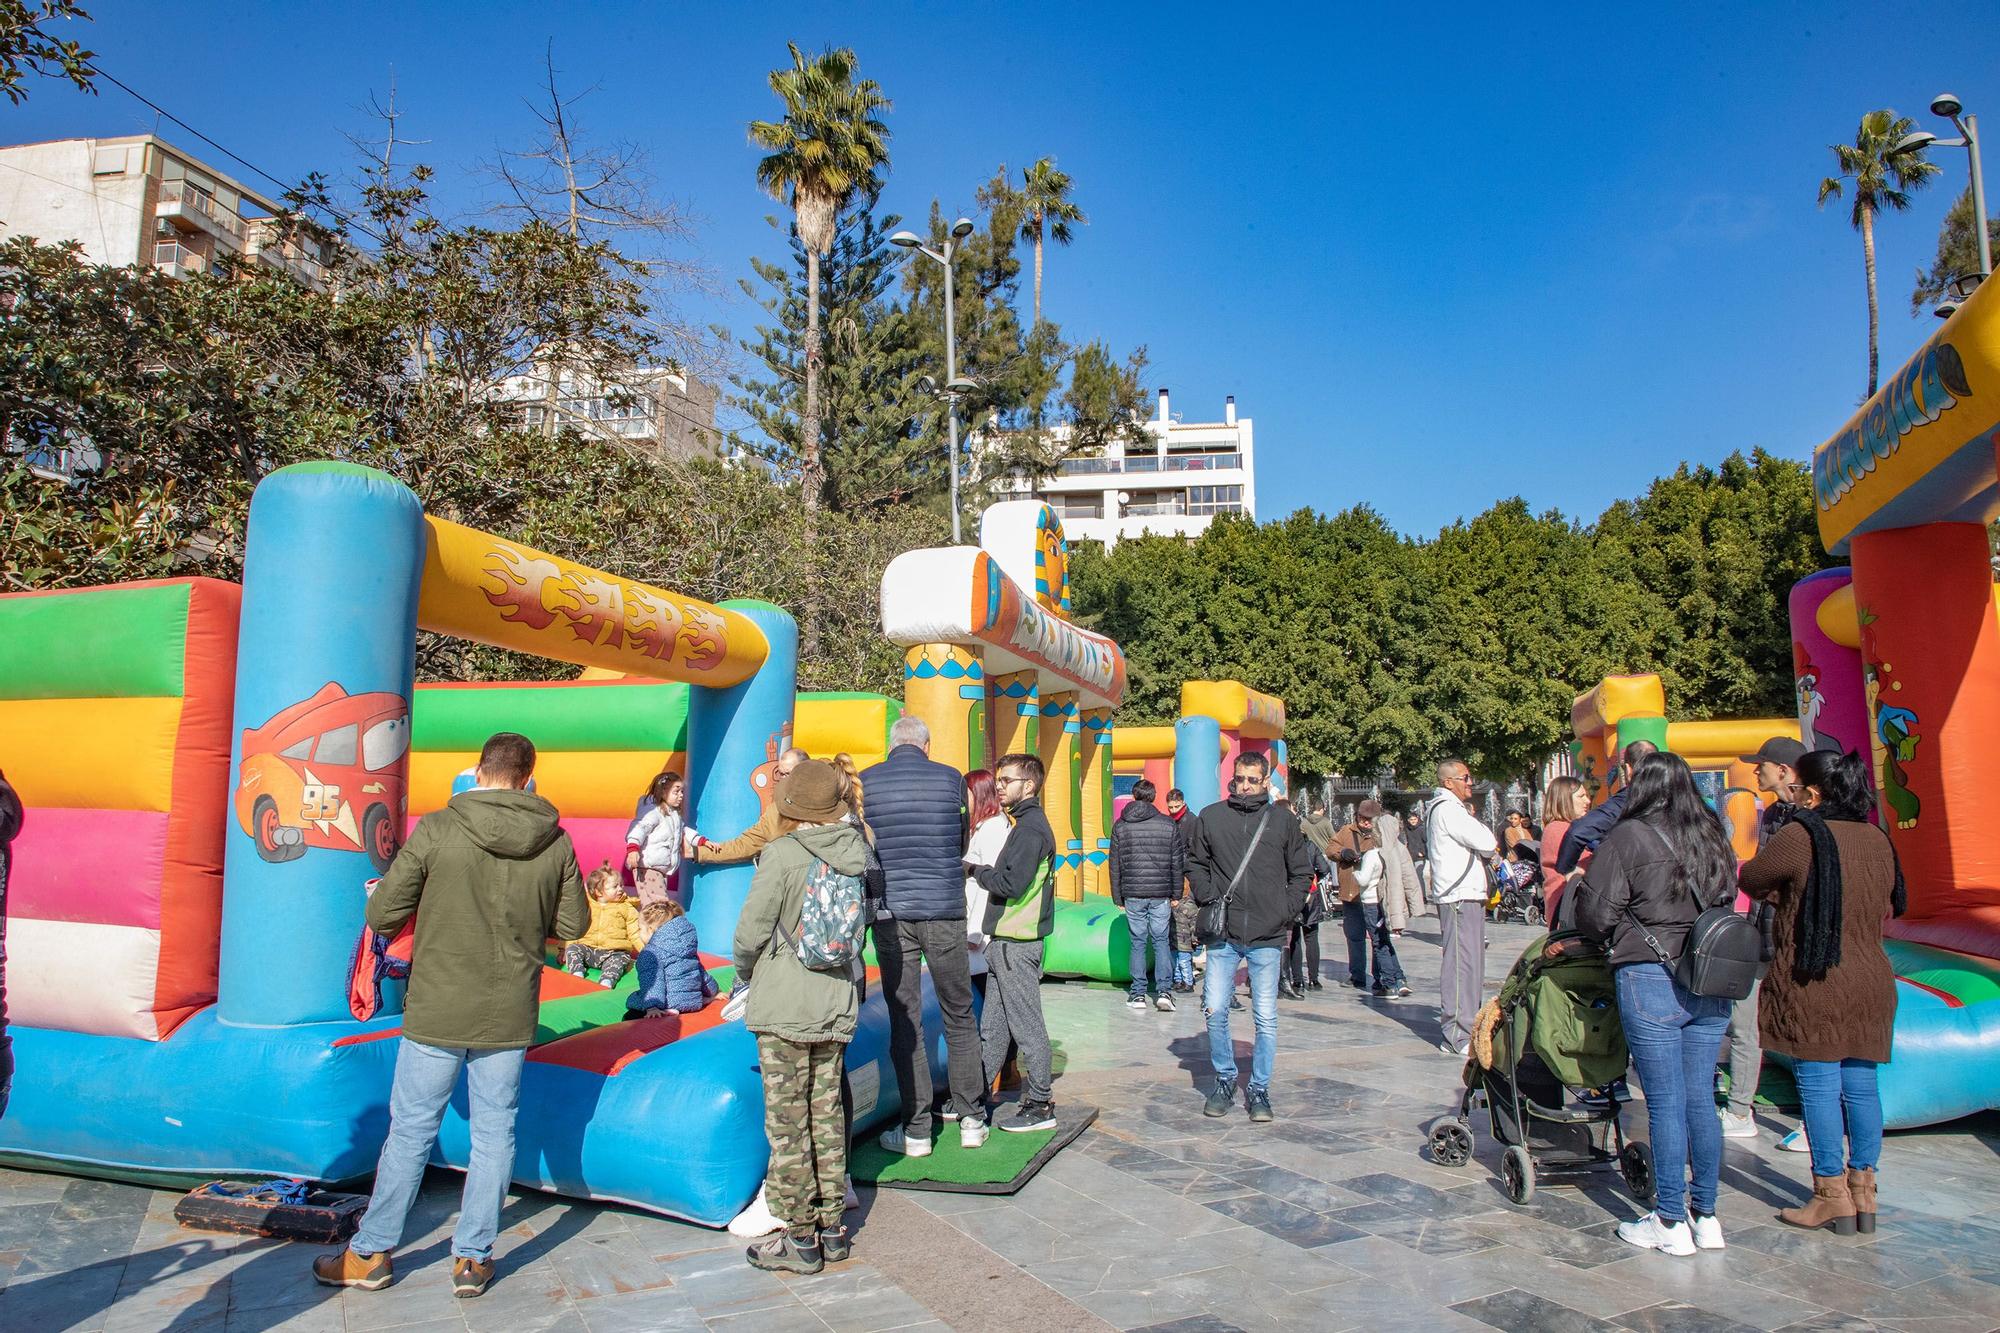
pixel 495 876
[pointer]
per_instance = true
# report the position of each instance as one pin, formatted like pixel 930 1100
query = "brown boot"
pixel 1831 1208
pixel 1861 1188
pixel 370 1272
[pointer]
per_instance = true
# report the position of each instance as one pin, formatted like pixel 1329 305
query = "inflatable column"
pixel 1930 659
pixel 735 736
pixel 1060 793
pixel 944 685
pixel 1642 728
pixel 332 563
pixel 1826 662
pixel 1012 709
pixel 1196 743
pixel 1094 798
pixel 1281 769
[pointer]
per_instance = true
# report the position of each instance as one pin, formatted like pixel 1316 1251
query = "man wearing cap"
pixel 1777 763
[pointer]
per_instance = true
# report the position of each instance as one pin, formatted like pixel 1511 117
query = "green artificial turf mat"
pixel 1003 1164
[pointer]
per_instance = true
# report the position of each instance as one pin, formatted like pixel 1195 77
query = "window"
pixel 337 746
pixel 297 751
pixel 1215 500
pixel 1078 506
pixel 384 743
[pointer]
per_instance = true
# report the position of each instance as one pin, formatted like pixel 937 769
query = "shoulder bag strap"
pixel 1645 934
pixel 1256 837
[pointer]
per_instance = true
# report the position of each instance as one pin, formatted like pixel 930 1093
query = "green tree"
pixel 1884 175
pixel 1957 254
pixel 28 46
pixel 831 145
pixel 1047 207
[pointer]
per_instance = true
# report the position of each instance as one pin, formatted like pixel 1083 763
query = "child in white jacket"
pixel 656 842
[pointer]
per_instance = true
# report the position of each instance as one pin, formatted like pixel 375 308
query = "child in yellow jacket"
pixel 614 937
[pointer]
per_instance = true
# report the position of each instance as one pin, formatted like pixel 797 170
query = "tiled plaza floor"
pixel 1330 1218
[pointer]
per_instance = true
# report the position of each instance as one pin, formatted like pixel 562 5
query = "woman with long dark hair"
pixel 1829 999
pixel 1662 865
pixel 989 826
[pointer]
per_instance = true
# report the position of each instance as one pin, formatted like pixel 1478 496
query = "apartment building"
pixel 659 409
pixel 139 200
pixel 1173 484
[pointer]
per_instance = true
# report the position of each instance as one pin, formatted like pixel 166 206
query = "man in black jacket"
pixel 1020 913
pixel 1147 862
pixel 1586 833
pixel 916 816
pixel 1255 856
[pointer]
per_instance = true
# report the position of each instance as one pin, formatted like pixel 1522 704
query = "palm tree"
pixel 831 143
pixel 1884 175
pixel 1045 199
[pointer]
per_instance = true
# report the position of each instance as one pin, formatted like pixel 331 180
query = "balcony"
pixel 176 260
pixel 293 265
pixel 1140 464
pixel 191 208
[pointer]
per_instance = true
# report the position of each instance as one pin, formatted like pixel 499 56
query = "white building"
pixel 1175 484
pixel 658 409
pixel 139 200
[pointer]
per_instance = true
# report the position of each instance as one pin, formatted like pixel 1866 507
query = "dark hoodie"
pixel 492 876
pixel 1272 891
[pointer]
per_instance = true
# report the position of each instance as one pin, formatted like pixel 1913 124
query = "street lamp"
pixel 1948 106
pixel 954 384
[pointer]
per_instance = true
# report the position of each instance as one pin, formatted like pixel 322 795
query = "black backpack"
pixel 1724 954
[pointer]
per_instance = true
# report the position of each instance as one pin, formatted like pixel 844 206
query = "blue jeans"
pixel 1674 1036
pixel 1841 1107
pixel 1218 984
pixel 1146 919
pixel 1184 967
pixel 425 1077
pixel 1367 933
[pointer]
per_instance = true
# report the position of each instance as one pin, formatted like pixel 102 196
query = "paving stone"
pixel 1288 1222
pixel 179 1308
pixel 1515 1309
pixel 721 1282
pixel 1425 1235
pixel 1679 1317
pixel 607 1266
pixel 854 1298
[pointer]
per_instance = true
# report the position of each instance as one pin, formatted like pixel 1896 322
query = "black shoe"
pixel 1378 990
pixel 1235 1004
pixel 1220 1098
pixel 836 1245
pixel 1358 985
pixel 1030 1116
pixel 1314 985
pixel 1289 991
pixel 785 1253
pixel 1259 1102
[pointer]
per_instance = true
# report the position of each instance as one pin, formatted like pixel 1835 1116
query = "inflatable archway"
pixel 214 776
pixel 1219 719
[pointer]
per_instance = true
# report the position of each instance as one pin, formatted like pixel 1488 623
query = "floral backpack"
pixel 830 921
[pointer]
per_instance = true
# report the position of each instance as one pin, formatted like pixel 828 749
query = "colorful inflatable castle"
pixel 995 665
pixel 1219 720
pixel 1898 657
pixel 215 774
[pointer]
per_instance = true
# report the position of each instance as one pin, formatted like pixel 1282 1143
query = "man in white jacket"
pixel 1458 845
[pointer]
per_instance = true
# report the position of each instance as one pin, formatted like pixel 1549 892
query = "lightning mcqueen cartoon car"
pixel 324 773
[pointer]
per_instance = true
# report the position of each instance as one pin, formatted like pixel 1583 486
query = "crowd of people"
pixel 953 875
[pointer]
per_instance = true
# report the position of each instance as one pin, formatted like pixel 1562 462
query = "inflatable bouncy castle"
pixel 1219 720
pixel 215 774
pixel 1898 657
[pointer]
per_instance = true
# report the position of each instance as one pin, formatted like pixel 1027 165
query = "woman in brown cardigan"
pixel 1829 1000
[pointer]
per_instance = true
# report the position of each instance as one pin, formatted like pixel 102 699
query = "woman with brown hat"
pixel 1829 999
pixel 804 1015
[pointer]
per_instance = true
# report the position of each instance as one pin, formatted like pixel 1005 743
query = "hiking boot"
pixel 1831 1208
pixel 470 1276
pixel 1259 1102
pixel 1652 1232
pixel 907 1145
pixel 1861 1188
pixel 1164 1002
pixel 971 1132
pixel 1220 1098
pixel 786 1253
pixel 1030 1116
pixel 369 1272
pixel 835 1245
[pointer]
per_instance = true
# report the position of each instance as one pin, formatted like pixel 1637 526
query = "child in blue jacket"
pixel 671 977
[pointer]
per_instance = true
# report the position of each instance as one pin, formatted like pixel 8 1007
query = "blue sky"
pixel 1441 255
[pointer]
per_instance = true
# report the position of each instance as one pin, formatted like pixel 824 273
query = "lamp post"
pixel 953 385
pixel 1948 106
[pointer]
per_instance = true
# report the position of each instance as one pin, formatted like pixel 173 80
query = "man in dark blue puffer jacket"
pixel 915 810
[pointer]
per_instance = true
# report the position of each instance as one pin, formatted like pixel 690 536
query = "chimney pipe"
pixel 1229 410
pixel 1163 407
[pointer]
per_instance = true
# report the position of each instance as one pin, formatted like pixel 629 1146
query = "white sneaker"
pixel 1707 1231
pixel 853 1200
pixel 1795 1141
pixel 896 1141
pixel 754 1221
pixel 1650 1233
pixel 1739 1126
pixel 971 1131
pixel 1135 1002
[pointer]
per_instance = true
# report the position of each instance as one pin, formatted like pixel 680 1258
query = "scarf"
pixel 1816 946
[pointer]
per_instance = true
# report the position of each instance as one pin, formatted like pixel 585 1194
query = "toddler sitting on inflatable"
pixel 671 977
pixel 614 935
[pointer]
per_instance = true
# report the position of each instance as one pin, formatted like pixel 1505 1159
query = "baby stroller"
pixel 1554 1026
pixel 1518 881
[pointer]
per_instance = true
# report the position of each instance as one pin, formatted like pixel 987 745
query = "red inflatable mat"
pixel 607 1050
